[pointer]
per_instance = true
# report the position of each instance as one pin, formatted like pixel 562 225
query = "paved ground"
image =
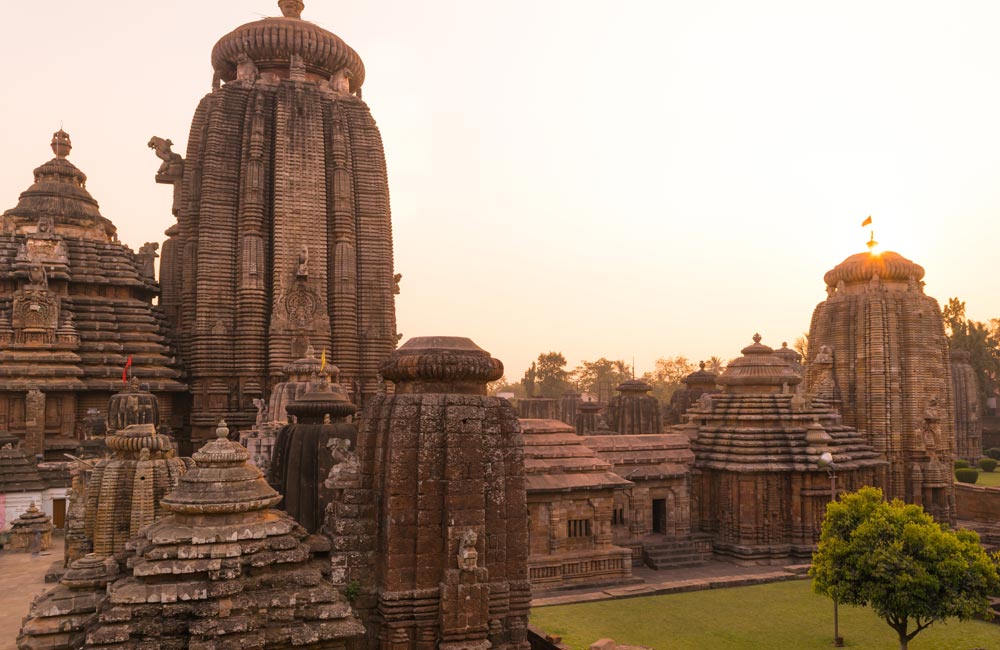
pixel 22 577
pixel 713 575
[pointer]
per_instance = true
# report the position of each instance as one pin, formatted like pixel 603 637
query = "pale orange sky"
pixel 628 179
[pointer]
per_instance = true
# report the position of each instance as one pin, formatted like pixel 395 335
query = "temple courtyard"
pixel 776 616
pixel 23 580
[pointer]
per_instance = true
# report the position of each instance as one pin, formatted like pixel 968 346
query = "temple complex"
pixel 437 536
pixel 761 493
pixel 633 409
pixel 75 305
pixel 879 354
pixel 283 237
pixel 968 414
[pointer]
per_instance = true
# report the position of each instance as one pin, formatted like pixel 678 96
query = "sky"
pixel 606 179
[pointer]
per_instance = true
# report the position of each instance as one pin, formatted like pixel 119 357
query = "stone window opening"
pixel 618 516
pixel 578 528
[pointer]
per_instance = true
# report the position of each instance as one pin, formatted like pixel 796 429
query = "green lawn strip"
pixel 988 479
pixel 776 616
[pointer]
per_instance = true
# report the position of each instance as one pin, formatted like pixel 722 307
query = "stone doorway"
pixel 660 516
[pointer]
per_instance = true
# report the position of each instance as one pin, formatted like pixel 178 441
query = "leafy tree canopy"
pixel 982 340
pixel 896 559
pixel 601 377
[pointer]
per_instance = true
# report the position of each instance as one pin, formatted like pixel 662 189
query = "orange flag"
pixel 867 222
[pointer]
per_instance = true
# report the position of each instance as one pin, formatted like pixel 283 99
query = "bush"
pixel 994 453
pixel 988 464
pixel 959 464
pixel 967 475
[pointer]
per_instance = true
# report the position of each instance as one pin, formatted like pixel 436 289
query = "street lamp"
pixel 825 461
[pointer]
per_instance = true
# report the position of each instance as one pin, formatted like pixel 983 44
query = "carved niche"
pixel 35 317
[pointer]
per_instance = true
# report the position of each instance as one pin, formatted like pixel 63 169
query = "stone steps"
pixel 676 554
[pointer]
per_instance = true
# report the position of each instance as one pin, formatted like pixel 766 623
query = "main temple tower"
pixel 283 237
pixel 878 351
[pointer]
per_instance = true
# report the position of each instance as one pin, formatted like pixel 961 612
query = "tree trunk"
pixel 903 641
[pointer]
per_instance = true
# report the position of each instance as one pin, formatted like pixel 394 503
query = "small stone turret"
pixel 302 460
pixel 443 495
pixel 125 491
pixel 31 532
pixel 634 410
pixel 58 618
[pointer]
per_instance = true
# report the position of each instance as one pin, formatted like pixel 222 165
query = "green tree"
pixel 529 381
pixel 894 558
pixel 982 340
pixel 551 377
pixel 503 386
pixel 592 376
pixel 667 374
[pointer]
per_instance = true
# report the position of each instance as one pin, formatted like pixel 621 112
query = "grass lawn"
pixel 989 479
pixel 776 616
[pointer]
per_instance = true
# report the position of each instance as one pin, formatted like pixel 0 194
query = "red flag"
pixel 867 222
pixel 128 364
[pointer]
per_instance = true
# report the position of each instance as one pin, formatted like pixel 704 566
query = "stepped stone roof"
pixel 90 296
pixel 223 570
pixel 18 473
pixel 556 459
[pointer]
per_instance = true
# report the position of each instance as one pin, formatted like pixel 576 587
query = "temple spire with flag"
pixel 128 364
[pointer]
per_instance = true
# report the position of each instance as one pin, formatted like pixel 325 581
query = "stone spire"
pixel 968 414
pixel 283 209
pixel 32 531
pixel 877 346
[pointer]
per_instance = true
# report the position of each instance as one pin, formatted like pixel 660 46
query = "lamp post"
pixel 826 462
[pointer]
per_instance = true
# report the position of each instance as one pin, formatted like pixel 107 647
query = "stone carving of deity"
pixel 246 69
pixel 468 556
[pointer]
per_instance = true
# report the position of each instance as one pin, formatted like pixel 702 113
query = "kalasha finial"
pixel 701 365
pixel 756 338
pixel 291 8
pixel 222 431
pixel 61 145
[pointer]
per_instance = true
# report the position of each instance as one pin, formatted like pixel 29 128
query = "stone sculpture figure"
pixel 340 81
pixel 37 276
pixel 246 69
pixel 302 268
pixel 162 149
pixel 468 556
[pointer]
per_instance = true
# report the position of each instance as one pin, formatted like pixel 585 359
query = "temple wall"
pixel 979 504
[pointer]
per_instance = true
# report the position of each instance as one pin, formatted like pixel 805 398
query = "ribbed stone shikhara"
pixel 434 525
pixel 968 415
pixel 223 570
pixel 283 237
pixel 58 618
pixel 633 410
pixel 74 305
pixel 760 491
pixel 877 346
pixel 125 491
pixel 32 531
